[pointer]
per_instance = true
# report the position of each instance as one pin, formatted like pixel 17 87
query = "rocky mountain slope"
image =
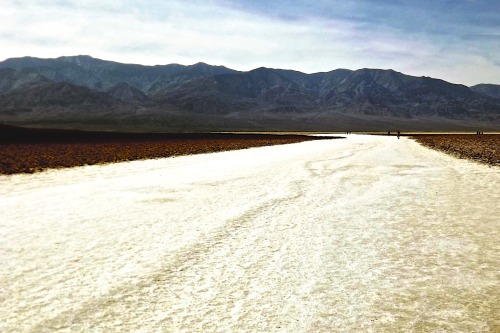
pixel 492 90
pixel 86 92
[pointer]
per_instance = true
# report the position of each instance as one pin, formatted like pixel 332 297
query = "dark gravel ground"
pixel 32 150
pixel 483 148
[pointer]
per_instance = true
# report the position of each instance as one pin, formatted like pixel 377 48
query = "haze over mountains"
pixel 88 93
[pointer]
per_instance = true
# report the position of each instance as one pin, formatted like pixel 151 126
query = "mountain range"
pixel 88 93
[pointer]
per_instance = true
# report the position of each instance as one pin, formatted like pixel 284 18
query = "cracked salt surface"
pixel 364 234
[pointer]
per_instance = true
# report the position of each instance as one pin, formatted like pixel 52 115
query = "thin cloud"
pixel 311 36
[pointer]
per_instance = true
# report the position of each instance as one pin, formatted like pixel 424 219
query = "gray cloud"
pixel 308 36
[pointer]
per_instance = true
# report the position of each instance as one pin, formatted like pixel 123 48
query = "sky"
pixel 454 40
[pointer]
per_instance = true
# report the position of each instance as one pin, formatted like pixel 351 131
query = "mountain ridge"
pixel 202 96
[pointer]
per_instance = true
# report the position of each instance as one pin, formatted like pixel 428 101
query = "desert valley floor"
pixel 368 233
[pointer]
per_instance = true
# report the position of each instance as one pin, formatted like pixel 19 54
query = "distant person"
pixel 399 133
pixel 389 133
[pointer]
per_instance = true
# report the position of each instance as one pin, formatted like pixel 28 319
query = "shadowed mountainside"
pixel 492 90
pixel 84 92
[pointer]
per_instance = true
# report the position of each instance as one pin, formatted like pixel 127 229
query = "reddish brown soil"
pixel 484 148
pixel 28 151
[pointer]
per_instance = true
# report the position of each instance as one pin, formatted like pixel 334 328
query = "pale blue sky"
pixel 455 40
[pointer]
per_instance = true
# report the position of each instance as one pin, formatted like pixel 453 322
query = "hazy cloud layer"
pixel 458 41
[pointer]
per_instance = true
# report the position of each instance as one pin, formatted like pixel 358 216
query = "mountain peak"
pixel 80 56
pixel 200 64
pixel 261 68
pixel 78 59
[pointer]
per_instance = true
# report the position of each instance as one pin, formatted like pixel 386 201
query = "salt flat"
pixel 364 234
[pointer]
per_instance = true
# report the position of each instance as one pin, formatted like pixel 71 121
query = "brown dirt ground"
pixel 484 148
pixel 30 150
